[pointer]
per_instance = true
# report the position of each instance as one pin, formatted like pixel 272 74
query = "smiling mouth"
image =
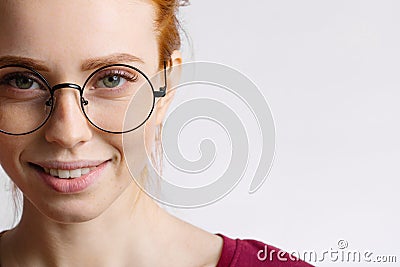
pixel 63 173
pixel 68 174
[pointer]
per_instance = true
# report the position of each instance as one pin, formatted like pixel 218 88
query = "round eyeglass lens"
pixel 119 98
pixel 23 97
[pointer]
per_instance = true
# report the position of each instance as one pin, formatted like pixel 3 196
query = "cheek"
pixel 150 133
pixel 11 149
pixel 136 147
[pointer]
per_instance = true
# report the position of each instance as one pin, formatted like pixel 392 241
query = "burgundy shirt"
pixel 248 252
pixel 251 253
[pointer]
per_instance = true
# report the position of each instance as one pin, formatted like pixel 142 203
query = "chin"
pixel 69 210
pixel 80 207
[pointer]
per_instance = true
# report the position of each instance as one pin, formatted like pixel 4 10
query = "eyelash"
pixel 123 74
pixel 12 76
pixel 128 76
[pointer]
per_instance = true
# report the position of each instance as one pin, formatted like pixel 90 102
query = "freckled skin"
pixel 26 32
pixel 112 223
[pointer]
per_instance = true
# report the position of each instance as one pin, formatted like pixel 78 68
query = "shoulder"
pixel 249 252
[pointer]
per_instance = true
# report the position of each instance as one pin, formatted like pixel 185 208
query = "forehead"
pixel 73 30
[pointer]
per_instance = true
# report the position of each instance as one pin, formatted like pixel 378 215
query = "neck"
pixel 111 239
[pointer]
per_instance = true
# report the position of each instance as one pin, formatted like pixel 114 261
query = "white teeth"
pixel 63 174
pixel 85 171
pixel 68 174
pixel 74 173
pixel 53 172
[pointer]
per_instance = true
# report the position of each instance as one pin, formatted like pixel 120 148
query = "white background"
pixel 329 70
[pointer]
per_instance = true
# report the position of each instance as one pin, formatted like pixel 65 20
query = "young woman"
pixel 69 70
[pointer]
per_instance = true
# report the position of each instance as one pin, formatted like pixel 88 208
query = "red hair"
pixel 167 26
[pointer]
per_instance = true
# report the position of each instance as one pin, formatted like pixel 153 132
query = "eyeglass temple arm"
pixel 163 89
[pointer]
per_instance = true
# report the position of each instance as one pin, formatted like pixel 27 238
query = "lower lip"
pixel 73 185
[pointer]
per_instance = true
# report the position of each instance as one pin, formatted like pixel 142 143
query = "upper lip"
pixel 69 165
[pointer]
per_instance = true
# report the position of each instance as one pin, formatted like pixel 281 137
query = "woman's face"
pixel 62 36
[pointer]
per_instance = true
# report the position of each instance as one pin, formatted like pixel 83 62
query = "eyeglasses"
pixel 116 99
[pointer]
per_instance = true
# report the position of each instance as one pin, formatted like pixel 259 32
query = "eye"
pixel 115 78
pixel 111 81
pixel 22 81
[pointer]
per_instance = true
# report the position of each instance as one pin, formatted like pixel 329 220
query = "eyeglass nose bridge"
pixel 66 85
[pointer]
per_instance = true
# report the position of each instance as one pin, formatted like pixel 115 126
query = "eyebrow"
pixel 30 62
pixel 88 64
pixel 98 62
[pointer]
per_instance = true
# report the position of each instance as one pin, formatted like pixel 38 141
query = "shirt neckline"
pixel 230 251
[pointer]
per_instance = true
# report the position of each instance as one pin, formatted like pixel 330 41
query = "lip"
pixel 75 185
pixel 70 165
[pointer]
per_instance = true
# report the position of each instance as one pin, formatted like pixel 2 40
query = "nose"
pixel 67 126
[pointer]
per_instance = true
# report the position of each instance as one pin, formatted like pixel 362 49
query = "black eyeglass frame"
pixel 84 102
